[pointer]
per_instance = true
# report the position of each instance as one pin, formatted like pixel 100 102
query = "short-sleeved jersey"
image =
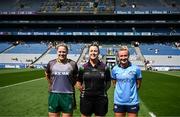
pixel 126 92
pixel 62 75
pixel 94 79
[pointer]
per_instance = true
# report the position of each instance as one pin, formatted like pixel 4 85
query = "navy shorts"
pixel 126 108
pixel 96 105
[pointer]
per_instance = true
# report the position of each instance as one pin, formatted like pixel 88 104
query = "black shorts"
pixel 96 105
pixel 126 108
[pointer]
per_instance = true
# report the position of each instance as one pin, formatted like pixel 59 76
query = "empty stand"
pixel 161 56
pixel 34 53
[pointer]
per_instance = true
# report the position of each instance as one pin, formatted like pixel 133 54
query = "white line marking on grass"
pixel 21 83
pixel 147 109
pixel 152 114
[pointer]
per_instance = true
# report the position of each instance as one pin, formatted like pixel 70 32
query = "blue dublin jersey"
pixel 126 92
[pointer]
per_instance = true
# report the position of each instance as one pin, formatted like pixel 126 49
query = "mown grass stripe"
pixel 18 77
pixel 13 70
pixel 170 73
pixel 144 110
pixel 21 83
pixel 159 91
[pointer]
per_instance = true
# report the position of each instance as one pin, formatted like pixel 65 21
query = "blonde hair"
pixel 63 45
pixel 124 48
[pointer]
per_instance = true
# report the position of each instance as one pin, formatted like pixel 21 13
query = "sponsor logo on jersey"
pixel 61 73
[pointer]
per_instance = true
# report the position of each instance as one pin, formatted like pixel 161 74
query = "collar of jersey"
pixel 58 61
pixel 129 64
pixel 96 65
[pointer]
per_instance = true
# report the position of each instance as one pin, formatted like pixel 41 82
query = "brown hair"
pixel 95 43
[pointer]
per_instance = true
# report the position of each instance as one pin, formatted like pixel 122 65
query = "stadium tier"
pixel 38 54
pixel 25 54
pixel 38 24
pixel 90 6
pixel 131 31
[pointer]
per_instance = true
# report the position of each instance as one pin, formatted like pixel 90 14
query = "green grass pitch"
pixel 23 92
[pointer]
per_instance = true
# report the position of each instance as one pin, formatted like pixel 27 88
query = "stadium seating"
pixel 35 48
pixel 25 54
pixel 150 6
pixel 86 6
pixel 75 6
pixel 14 6
pixel 161 55
pixel 159 49
pixel 4 45
pixel 73 49
pixel 90 27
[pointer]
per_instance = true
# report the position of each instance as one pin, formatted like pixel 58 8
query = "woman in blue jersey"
pixel 127 80
pixel 61 74
pixel 93 82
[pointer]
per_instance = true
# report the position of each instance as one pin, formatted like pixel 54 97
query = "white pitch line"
pixel 147 109
pixel 152 114
pixel 21 83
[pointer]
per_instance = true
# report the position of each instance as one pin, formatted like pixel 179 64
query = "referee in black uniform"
pixel 93 82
